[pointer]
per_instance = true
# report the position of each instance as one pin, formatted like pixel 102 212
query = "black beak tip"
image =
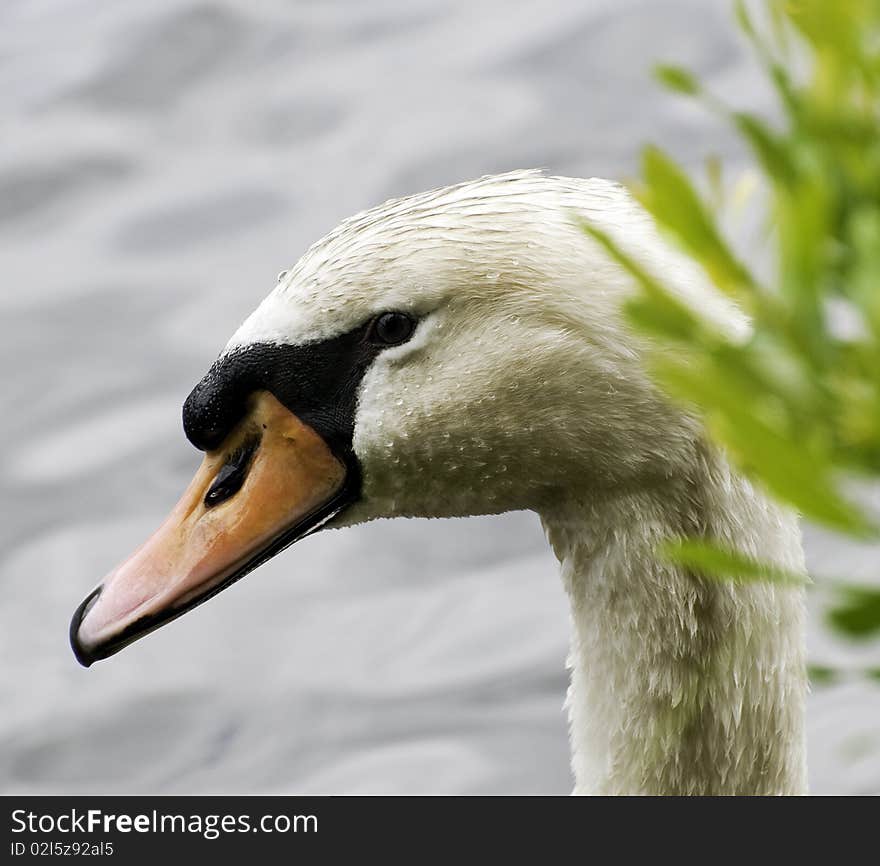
pixel 83 655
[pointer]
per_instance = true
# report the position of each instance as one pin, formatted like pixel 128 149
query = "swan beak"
pixel 271 481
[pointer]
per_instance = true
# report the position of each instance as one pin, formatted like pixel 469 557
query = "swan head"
pixel 453 353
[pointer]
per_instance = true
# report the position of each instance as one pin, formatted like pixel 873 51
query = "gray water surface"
pixel 159 163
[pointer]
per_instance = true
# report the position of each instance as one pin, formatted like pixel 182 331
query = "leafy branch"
pixel 796 402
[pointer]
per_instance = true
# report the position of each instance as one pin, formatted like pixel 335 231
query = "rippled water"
pixel 159 163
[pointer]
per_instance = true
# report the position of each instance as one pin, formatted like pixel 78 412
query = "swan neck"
pixel 679 684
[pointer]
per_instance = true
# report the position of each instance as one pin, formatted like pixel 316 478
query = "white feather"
pixel 523 388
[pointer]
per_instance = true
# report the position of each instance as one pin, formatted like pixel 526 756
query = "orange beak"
pixel 271 481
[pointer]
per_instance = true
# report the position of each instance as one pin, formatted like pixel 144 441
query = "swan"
pixel 462 352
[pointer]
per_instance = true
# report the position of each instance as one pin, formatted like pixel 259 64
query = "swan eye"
pixel 391 329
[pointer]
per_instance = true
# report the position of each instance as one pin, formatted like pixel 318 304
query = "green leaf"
pixel 657 309
pixel 715 179
pixel 673 202
pixel 713 560
pixel 744 19
pixel 821 675
pixel 678 79
pixel 771 151
pixel 857 613
pixel 791 472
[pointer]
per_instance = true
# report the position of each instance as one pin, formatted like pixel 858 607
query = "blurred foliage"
pixel 796 402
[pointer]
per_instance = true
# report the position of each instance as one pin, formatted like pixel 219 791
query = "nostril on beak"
pixel 231 477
